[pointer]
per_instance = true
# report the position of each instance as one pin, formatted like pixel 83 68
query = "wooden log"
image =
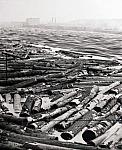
pixel 66 123
pixel 37 105
pixel 113 139
pixel 98 98
pixel 73 130
pixel 64 98
pixel 52 114
pixel 5 108
pixel 104 101
pixel 41 146
pixel 100 128
pixel 57 120
pixel 11 127
pixel 100 139
pixel 19 85
pixel 17 103
pixel 20 138
pixel 23 121
pixel 8 146
pixel 110 87
pixel 35 67
pixel 11 54
pixel 21 74
pixel 97 119
pixel 27 107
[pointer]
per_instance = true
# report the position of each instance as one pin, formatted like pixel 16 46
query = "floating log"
pixel 110 141
pixel 100 128
pixel 16 120
pixel 52 114
pixel 100 139
pixel 79 114
pixel 63 99
pixel 17 103
pixel 37 105
pixel 11 54
pixel 73 130
pixel 20 138
pixel 27 107
pixel 57 120
pixel 11 127
pixel 8 146
pixel 41 146
pixel 104 101
pixel 19 85
pixel 97 119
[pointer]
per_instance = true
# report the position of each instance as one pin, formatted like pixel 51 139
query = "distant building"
pixel 33 21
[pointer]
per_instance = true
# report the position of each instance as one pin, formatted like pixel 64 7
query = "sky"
pixel 62 10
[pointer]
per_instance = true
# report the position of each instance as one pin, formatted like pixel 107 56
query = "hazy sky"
pixel 63 10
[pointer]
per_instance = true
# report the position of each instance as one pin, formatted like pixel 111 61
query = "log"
pixel 19 85
pixel 97 119
pixel 35 67
pixel 23 121
pixel 104 101
pixel 20 138
pixel 40 146
pixel 73 130
pixel 8 146
pixel 37 105
pixel 64 98
pixel 98 98
pixel 109 87
pixel 100 128
pixel 10 127
pixel 27 107
pixel 57 120
pixel 113 139
pixel 66 123
pixel 52 114
pixel 17 103
pixel 20 74
pixel 100 139
pixel 11 54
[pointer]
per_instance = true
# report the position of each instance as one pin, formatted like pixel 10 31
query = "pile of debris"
pixel 49 95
